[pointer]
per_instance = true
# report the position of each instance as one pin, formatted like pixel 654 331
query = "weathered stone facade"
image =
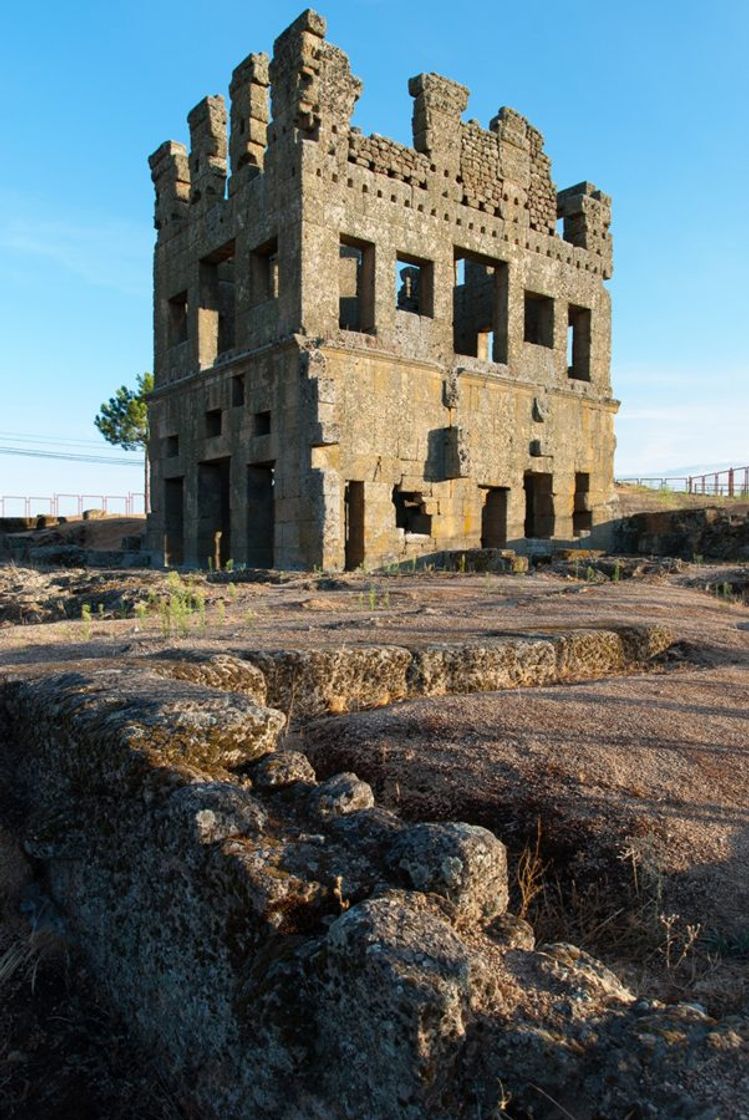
pixel 367 352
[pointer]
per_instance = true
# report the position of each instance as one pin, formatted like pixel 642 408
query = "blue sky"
pixel 647 100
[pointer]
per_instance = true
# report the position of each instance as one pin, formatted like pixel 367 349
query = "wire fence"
pixel 70 505
pixel 730 483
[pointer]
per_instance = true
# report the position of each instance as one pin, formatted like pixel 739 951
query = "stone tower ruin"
pixel 366 352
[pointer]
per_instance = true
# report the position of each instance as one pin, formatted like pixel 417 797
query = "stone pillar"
pixel 249 118
pixel 170 173
pixel 295 76
pixel 438 106
pixel 207 123
pixel 514 145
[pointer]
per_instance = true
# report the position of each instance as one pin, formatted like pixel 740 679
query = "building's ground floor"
pixel 227 512
pixel 307 457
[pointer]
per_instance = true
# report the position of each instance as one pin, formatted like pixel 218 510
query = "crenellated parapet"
pixel 586 213
pixel 208 150
pixel 307 93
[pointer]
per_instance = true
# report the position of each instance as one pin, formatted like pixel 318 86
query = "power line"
pixel 67 456
pixel 35 437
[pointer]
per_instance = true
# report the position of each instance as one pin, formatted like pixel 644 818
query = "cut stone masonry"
pixel 350 319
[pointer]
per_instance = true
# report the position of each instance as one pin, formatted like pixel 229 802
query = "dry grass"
pixel 621 918
pixel 62 1055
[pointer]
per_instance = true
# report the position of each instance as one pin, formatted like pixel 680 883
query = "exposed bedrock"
pixel 293 951
pixel 308 683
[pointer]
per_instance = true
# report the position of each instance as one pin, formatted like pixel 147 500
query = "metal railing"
pixel 71 505
pixel 730 483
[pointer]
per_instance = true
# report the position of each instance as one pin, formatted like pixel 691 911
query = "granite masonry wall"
pixel 366 352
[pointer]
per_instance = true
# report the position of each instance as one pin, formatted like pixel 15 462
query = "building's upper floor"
pixel 456 250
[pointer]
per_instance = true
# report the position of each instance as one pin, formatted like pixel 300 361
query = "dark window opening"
pixel 237 390
pixel 414 286
pixel 356 285
pixel 578 343
pixel 174 521
pixel 539 319
pixel 261 424
pixel 480 307
pixel 213 422
pixel 260 516
pixel 582 517
pixel 214 513
pixel 410 512
pixel 539 505
pixel 178 319
pixel 354 514
pixel 264 281
pixel 494 518
pixel 171 447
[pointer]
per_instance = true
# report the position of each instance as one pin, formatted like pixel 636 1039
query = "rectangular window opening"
pixel 237 391
pixel 414 286
pixel 213 422
pixel 539 320
pixel 480 308
pixel 261 424
pixel 264 279
pixel 171 447
pixel 410 512
pixel 539 506
pixel 582 516
pixel 178 319
pixel 578 343
pixel 356 286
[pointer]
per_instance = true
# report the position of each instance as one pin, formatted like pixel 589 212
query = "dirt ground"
pixel 104 532
pixel 644 499
pixel 623 801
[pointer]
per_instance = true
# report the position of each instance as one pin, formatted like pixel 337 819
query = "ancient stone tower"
pixel 367 352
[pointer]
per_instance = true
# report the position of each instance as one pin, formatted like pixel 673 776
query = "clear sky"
pixel 648 100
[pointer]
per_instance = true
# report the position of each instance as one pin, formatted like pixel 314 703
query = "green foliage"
pixel 123 419
pixel 86 620
pixel 176 611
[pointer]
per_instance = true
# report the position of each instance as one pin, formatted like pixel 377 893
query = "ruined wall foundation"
pixel 287 948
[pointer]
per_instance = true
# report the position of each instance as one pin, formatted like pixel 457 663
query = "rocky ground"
pixel 622 799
